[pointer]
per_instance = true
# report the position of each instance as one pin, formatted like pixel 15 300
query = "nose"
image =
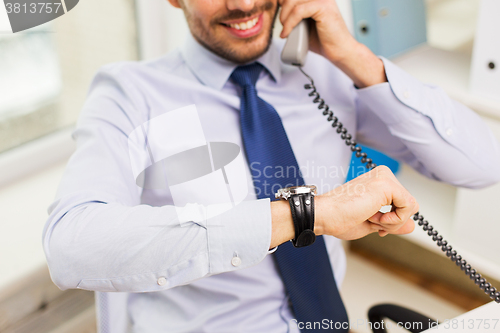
pixel 243 5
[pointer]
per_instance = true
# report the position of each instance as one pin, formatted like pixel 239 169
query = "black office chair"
pixel 415 321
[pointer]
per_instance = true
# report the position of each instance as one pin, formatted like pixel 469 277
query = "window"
pixel 45 72
pixel 451 24
pixel 30 82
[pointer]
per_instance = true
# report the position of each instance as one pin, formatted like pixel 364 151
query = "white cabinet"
pixel 476 223
pixel 468 219
pixel 485 67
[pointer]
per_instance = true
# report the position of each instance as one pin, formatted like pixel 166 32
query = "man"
pixel 106 234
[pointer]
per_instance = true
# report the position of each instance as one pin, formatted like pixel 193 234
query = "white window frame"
pixel 48 150
pixel 161 27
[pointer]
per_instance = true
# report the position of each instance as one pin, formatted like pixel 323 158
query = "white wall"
pixel 161 27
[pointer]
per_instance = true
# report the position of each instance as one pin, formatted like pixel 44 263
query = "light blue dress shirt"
pixel 107 234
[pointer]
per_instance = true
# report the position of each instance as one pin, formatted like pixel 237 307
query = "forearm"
pixel 473 164
pixel 112 247
pixel 420 125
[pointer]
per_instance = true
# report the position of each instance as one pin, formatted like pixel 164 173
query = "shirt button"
pixel 162 281
pixel 406 94
pixel 236 261
pixel 449 131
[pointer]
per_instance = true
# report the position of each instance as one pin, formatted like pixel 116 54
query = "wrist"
pixel 342 55
pixel 319 221
pixel 300 200
pixel 326 221
pixel 358 62
pixel 282 224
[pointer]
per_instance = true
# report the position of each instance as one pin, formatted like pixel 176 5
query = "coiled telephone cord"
pixel 443 244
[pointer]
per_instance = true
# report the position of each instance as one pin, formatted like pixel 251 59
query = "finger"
pixel 388 172
pixel 385 219
pixel 286 8
pixel 296 14
pixel 375 218
pixel 388 221
pixel 383 233
pixel 383 172
pixel 407 228
pixel 404 212
pixel 379 228
pixel 405 204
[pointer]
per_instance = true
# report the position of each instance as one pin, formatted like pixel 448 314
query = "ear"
pixel 175 3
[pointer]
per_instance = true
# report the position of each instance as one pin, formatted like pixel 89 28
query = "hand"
pixel 330 38
pixel 351 211
pixel 329 35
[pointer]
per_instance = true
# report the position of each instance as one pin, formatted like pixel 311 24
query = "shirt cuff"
pixel 272 250
pixel 240 237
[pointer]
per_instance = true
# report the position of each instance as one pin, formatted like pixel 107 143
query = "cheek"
pixel 205 10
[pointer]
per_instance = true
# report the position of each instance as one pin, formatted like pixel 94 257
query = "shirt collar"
pixel 214 71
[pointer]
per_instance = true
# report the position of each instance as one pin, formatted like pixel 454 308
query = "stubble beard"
pixel 224 49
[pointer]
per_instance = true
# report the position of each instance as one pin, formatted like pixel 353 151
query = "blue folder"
pixel 389 27
pixel 357 169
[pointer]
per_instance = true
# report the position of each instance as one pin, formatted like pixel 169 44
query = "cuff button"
pixel 161 281
pixel 236 261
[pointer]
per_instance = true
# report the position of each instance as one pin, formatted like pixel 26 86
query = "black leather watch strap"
pixel 302 208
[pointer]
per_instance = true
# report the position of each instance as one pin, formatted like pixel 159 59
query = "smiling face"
pixel 238 30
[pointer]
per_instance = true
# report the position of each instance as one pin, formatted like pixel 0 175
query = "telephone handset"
pixel 294 53
pixel 296 46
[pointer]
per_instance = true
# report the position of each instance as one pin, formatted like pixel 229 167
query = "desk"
pixel 485 319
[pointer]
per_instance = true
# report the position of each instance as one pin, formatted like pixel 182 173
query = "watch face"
pixel 286 192
pixel 302 189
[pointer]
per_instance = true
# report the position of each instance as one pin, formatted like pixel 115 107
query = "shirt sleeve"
pixel 100 237
pixel 420 125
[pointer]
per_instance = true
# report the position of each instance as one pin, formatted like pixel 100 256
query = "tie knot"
pixel 247 75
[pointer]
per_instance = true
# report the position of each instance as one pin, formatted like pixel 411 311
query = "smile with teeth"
pixel 244 25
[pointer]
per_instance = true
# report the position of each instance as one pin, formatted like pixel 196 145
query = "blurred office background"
pixel 45 73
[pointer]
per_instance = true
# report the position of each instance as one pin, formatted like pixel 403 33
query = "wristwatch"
pixel 301 199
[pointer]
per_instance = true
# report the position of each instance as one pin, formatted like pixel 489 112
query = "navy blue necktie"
pixel 306 271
